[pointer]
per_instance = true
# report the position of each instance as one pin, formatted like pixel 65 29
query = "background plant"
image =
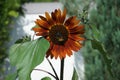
pixel 9 9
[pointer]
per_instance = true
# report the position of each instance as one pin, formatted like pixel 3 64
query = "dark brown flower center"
pixel 58 34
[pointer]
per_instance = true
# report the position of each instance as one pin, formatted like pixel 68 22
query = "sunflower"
pixel 63 35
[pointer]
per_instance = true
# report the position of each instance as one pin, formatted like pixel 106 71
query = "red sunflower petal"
pixel 37 29
pixel 49 53
pixel 55 51
pixel 53 16
pixel 43 18
pixel 76 37
pixel 49 19
pixel 67 49
pixel 40 32
pixel 56 14
pixel 77 30
pixel 62 52
pixel 74 45
pixel 59 51
pixel 71 22
pixel 59 16
pixel 42 24
pixel 63 16
pixel 67 22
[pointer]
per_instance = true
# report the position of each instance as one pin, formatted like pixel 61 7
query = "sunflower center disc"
pixel 58 34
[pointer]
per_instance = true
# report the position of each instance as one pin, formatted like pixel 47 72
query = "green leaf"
pixel 26 56
pixel 75 75
pixel 99 46
pixel 95 32
pixel 23 39
pixel 46 78
pixel 13 13
pixel 11 76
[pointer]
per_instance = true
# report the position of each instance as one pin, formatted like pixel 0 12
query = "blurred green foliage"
pixel 104 15
pixel 43 0
pixel 107 20
pixel 9 9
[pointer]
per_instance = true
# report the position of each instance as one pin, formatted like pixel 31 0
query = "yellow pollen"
pixel 60 39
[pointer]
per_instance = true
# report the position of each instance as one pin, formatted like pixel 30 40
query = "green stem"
pixel 46 72
pixel 62 69
pixel 53 69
